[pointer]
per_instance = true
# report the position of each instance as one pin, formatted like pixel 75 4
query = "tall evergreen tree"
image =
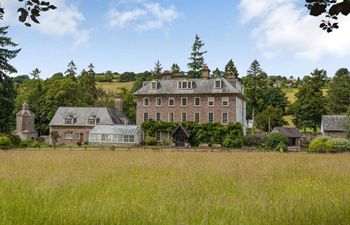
pixel 157 71
pixel 196 60
pixel 217 73
pixel 71 70
pixel 88 86
pixel 319 78
pixel 231 68
pixel 7 91
pixel 36 74
pixel 175 69
pixel 339 92
pixel 309 107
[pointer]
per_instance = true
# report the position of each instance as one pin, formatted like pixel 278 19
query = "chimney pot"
pixel 118 103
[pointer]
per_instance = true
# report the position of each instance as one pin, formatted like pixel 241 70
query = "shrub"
pixel 339 145
pixel 274 140
pixel 167 142
pixel 30 143
pixel 150 140
pixel 5 142
pixel 15 139
pixel 320 144
pixel 235 137
pixel 254 140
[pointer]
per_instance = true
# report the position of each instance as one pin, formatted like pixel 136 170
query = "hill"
pixel 115 85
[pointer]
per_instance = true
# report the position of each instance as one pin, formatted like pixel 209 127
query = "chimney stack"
pixel 118 103
pixel 231 76
pixel 206 72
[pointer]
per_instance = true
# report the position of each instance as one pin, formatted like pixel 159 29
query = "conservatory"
pixel 115 135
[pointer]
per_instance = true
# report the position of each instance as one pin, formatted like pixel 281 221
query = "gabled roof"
pixel 105 116
pixel 183 129
pixel 334 122
pixel 200 86
pixel 116 129
pixel 290 132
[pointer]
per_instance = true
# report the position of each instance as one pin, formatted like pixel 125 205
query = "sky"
pixel 131 35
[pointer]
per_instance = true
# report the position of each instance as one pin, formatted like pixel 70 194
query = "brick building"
pixel 74 124
pixel 25 126
pixel 202 100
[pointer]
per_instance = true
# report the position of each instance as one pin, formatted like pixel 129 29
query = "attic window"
pixel 92 120
pixel 70 120
pixel 218 83
pixel 154 85
pixel 184 84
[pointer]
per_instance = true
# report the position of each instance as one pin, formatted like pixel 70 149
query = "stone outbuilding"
pixel 292 133
pixel 333 126
pixel 25 125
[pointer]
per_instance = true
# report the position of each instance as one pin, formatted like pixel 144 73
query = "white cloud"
pixel 283 27
pixel 65 21
pixel 146 16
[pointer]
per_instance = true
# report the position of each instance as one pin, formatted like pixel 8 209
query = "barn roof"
pixel 116 129
pixel 290 132
pixel 334 122
pixel 81 114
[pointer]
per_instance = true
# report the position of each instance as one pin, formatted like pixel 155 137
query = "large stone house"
pixel 73 124
pixel 201 100
pixel 333 125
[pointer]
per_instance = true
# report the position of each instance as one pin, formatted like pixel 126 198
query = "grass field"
pixel 101 187
pixel 115 86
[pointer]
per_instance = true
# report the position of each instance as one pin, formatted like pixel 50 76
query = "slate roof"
pixel 200 86
pixel 182 128
pixel 116 129
pixel 105 116
pixel 289 132
pixel 334 122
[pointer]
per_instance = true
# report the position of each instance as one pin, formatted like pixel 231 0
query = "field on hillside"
pixel 104 187
pixel 115 86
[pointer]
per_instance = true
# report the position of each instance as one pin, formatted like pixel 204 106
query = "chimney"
pixel 205 72
pixel 118 103
pixel 166 75
pixel 231 76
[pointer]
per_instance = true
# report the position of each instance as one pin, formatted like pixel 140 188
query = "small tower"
pixel 25 128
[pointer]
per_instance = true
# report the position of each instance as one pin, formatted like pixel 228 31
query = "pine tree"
pixel 36 74
pixel 91 68
pixel 88 86
pixel 319 78
pixel 339 92
pixel 7 91
pixel 231 68
pixel 71 70
pixel 157 71
pixel 196 60
pixel 217 73
pixel 175 69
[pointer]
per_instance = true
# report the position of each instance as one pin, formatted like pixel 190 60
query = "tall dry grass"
pixel 67 187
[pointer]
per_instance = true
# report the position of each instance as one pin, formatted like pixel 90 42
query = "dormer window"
pixel 185 84
pixel 154 85
pixel 70 120
pixel 92 120
pixel 218 83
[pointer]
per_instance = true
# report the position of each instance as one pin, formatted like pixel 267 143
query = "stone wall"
pixel 75 132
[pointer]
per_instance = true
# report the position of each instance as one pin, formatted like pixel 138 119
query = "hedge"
pixel 328 144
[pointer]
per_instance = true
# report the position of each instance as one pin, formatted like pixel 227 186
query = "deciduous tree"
pixel 339 92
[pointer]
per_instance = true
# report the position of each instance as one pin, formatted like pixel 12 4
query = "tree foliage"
pixel 269 118
pixel 157 71
pixel 231 68
pixel 197 58
pixel 339 92
pixel 71 70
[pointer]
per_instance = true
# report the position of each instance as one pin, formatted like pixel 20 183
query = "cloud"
pixel 65 21
pixel 283 27
pixel 145 16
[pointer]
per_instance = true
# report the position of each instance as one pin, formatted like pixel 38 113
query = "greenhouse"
pixel 115 135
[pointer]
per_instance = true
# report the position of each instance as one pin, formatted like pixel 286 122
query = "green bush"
pixel 5 142
pixel 30 143
pixel 339 145
pixel 234 139
pixel 276 140
pixel 320 144
pixel 150 140
pixel 254 140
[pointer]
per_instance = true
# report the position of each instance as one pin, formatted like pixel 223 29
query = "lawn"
pixel 115 86
pixel 128 187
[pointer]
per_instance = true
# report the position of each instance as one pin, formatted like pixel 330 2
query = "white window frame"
pixel 211 99
pixel 68 135
pixel 171 119
pixel 179 85
pixel 216 81
pixel 77 136
pixel 186 101
pixel 144 114
pixel 69 120
pixel 182 118
pixel 194 103
pixel 161 101
pixel 154 85
pixel 160 116
pixel 222 118
pixel 199 117
pixel 225 99
pixel 173 99
pixel 144 99
pixel 209 117
pixel 184 85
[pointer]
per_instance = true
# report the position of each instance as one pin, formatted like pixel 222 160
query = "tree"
pixel 276 98
pixel 31 10
pixel 91 68
pixel 217 73
pixel 175 69
pixel 36 74
pixel 88 86
pixel 54 138
pixel 129 104
pixel 319 78
pixel 157 71
pixel 71 70
pixel 308 107
pixel 7 91
pixel 331 9
pixel 270 118
pixel 196 60
pixel 347 124
pixel 231 68
pixel 339 92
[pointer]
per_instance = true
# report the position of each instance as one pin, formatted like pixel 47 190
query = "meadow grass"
pixel 115 86
pixel 135 187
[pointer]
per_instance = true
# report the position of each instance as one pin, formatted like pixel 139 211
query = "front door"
pixel 180 140
pixel 81 138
